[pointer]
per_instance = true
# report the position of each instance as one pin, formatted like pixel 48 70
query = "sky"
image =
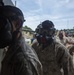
pixel 60 12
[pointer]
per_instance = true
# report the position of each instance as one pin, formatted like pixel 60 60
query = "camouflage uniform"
pixel 20 59
pixel 53 58
pixel 66 41
pixel 71 51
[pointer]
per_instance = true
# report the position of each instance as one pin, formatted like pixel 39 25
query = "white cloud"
pixel 67 1
pixel 59 11
pixel 39 2
pixel 33 21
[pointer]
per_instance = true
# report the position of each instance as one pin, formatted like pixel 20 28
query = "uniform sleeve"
pixel 70 40
pixel 22 66
pixel 63 59
pixel 65 62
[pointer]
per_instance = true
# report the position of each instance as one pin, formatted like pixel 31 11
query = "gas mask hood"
pixel 45 33
pixel 7 15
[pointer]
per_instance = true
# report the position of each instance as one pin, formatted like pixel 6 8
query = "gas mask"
pixel 45 33
pixel 6 27
pixel 60 35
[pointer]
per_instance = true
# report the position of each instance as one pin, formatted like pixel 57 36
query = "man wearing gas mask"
pixel 20 59
pixel 53 55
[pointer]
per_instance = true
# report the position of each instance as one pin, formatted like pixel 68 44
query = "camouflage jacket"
pixel 21 59
pixel 53 58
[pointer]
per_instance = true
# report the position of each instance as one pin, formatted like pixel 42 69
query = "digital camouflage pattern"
pixel 21 59
pixel 53 58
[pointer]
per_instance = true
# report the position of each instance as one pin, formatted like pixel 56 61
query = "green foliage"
pixel 27 28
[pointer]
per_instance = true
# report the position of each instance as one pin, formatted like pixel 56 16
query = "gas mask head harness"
pixel 45 32
pixel 8 14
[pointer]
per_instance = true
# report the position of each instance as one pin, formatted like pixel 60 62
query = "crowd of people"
pixel 48 54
